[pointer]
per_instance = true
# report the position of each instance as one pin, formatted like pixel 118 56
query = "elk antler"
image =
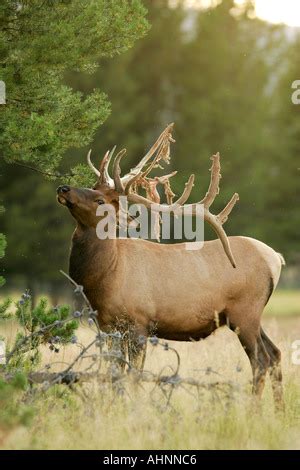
pixel 150 186
pixel 165 181
pixel 104 168
pixel 217 221
pixel 137 176
pixel 153 203
pixel 90 164
pixel 102 173
pixel 161 148
pixel 117 172
pixel 137 199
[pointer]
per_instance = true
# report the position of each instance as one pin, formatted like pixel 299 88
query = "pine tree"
pixel 40 41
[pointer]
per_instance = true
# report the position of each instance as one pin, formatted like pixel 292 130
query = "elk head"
pixel 83 203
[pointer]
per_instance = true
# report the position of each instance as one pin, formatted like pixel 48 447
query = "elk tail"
pixel 282 260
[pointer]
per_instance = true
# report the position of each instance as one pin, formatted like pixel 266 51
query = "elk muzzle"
pixel 62 194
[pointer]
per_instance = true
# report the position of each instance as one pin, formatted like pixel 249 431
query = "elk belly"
pixel 187 334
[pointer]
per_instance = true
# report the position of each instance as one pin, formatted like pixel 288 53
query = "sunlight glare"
pixel 278 11
pixel 274 11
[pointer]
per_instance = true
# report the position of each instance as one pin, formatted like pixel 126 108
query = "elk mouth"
pixel 61 200
pixel 64 202
pixel 63 194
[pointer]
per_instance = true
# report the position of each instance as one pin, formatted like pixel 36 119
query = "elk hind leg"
pixel 259 360
pixel 274 370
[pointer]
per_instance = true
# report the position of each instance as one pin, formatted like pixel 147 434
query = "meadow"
pixel 95 417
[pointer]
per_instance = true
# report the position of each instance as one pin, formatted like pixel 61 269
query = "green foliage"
pixel 4 314
pixel 43 316
pixel 41 325
pixel 82 176
pixel 12 411
pixel 40 41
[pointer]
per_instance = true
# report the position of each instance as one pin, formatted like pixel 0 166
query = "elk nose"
pixel 63 189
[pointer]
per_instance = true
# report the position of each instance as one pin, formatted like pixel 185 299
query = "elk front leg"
pixel 137 357
pixel 137 347
pixel 117 347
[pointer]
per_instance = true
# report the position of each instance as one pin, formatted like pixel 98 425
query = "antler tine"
pixel 102 173
pixel 131 183
pixel 223 215
pixel 90 164
pixel 137 199
pixel 186 193
pixel 103 163
pixel 117 172
pixel 137 170
pixel 106 165
pixel 104 177
pixel 217 221
pixel 165 181
pixel 213 189
pixel 150 185
pixel 164 178
pixel 218 228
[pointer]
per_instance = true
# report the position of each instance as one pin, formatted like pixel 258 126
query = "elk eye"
pixel 100 201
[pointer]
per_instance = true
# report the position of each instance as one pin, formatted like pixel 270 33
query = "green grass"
pixel 284 303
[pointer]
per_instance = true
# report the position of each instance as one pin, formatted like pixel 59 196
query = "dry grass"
pixel 103 421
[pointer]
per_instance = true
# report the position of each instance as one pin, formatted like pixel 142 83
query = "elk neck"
pixel 91 259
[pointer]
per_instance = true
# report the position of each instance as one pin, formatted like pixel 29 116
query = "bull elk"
pixel 185 295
